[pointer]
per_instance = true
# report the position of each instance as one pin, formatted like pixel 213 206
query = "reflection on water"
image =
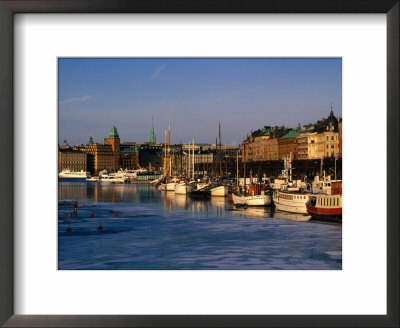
pixel 160 230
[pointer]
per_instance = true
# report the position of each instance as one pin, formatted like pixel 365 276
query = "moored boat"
pixel 171 186
pixel 112 179
pixel 251 200
pixel 325 207
pixel 201 193
pixel 95 179
pixel 66 173
pixel 162 187
pixel 291 201
pixel 184 188
pixel 220 191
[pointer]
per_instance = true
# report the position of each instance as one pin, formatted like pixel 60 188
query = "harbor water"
pixel 146 229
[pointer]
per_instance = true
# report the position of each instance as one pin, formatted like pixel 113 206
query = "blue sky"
pixel 195 94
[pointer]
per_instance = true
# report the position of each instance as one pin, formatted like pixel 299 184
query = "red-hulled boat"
pixel 326 206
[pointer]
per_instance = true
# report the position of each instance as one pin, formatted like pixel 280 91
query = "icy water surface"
pixel 162 231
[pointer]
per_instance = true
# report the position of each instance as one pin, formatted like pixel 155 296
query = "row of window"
pixel 328 201
pixel 291 197
pixel 332 138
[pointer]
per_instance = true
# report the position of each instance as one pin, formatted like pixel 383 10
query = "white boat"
pixel 128 175
pixel 155 181
pixel 162 187
pixel 219 191
pixel 324 185
pixel 183 188
pixel 96 179
pixel 66 173
pixel 252 200
pixel 112 179
pixel 291 201
pixel 202 185
pixel 171 186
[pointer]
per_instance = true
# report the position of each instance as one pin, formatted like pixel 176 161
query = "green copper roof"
pixel 113 133
pixel 90 141
pixel 291 134
pixel 128 149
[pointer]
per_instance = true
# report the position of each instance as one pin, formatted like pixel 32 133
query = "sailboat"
pixel 218 189
pixel 257 197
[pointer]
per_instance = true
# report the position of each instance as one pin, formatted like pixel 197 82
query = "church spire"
pixel 152 135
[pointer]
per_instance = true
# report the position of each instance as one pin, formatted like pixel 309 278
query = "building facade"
pixel 129 155
pixel 114 140
pixel 73 160
pixel 288 145
pixel 151 155
pixel 103 158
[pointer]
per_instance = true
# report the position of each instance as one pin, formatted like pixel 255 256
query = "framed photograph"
pixel 183 164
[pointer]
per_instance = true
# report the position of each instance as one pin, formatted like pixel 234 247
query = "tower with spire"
pixel 152 135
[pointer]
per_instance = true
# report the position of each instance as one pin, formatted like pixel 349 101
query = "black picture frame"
pixel 10 7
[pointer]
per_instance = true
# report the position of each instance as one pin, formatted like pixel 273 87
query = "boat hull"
pixel 291 202
pixel 171 186
pixel 334 214
pixel 66 174
pixel 325 207
pixel 255 200
pixel 201 193
pixel 219 191
pixel 183 188
pixel 162 187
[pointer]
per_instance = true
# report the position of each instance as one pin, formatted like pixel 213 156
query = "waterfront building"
pixel 263 145
pixel 302 146
pixel 254 146
pixel 288 144
pixel 73 160
pixel 328 144
pixel 151 155
pixel 259 146
pixel 114 140
pixel 323 139
pixel 102 158
pixel 340 136
pixel 129 155
pixel 313 145
pixel 272 149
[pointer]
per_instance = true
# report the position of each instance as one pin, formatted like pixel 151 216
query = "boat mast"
pixel 220 153
pixel 336 156
pixel 169 148
pixel 193 161
pixel 189 163
pixel 165 154
pixel 237 168
pixel 322 159
pixel 244 175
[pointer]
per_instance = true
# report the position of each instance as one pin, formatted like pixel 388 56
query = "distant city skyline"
pixel 195 95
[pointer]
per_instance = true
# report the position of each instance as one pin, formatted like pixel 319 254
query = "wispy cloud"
pixel 157 72
pixel 79 100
